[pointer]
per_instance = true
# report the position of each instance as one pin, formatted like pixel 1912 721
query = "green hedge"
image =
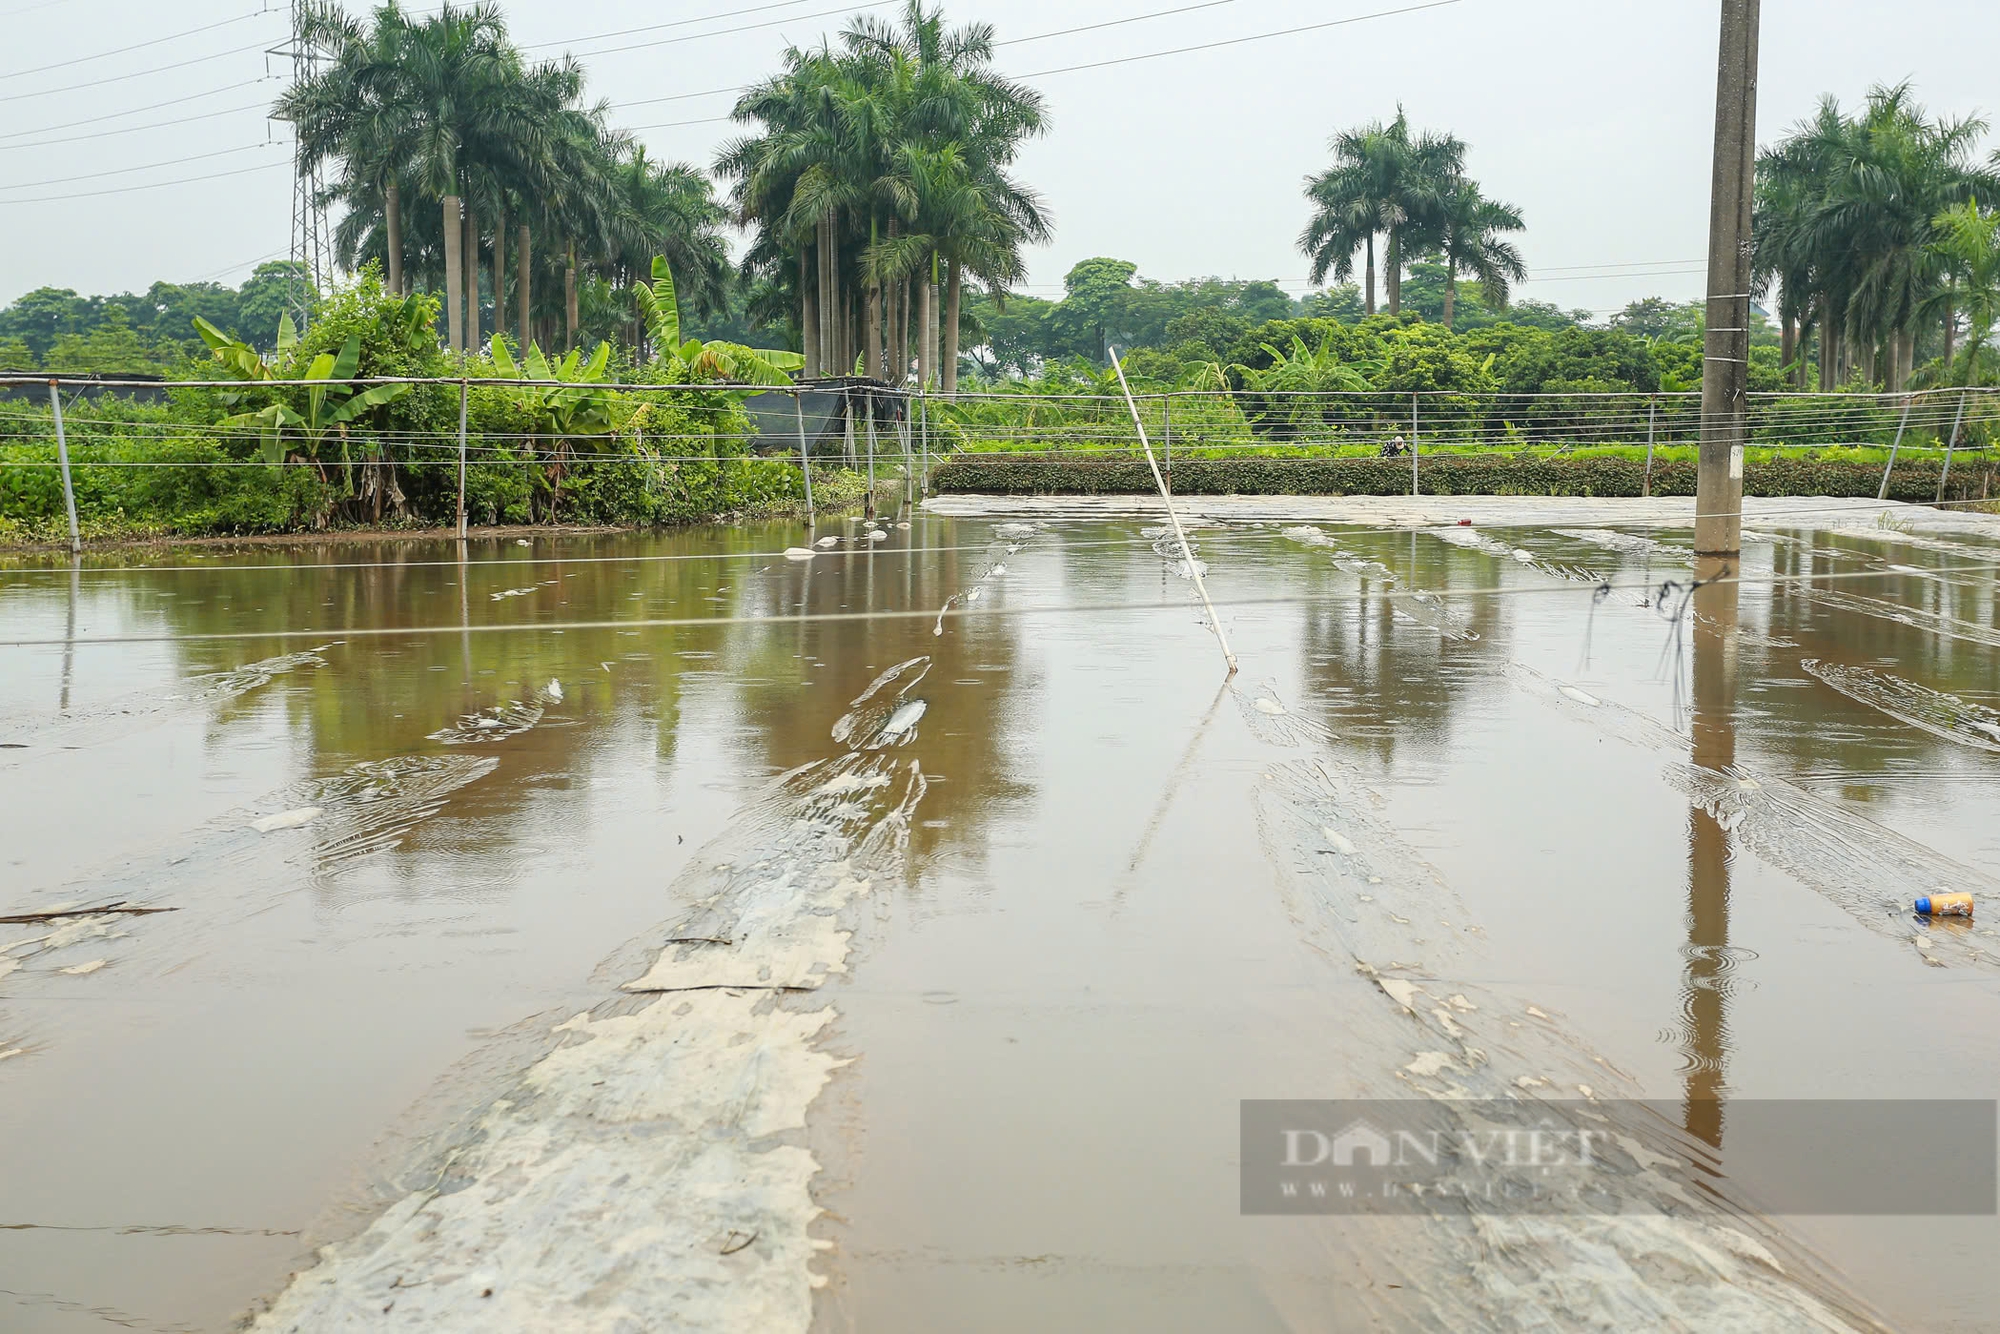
pixel 1971 479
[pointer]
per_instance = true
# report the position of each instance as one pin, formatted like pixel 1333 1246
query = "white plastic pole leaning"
pixel 62 457
pixel 1894 445
pixel 1950 442
pixel 1187 552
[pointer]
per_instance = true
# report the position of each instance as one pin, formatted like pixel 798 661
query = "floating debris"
pixel 1933 711
pixel 304 815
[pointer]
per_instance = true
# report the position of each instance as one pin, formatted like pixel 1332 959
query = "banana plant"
pixel 696 362
pixel 331 401
pixel 239 358
pixel 570 398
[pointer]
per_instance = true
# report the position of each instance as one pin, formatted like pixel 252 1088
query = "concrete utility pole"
pixel 1718 525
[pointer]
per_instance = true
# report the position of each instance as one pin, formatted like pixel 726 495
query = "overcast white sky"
pixel 1592 116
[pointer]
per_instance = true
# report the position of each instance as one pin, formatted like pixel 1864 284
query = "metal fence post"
pixel 1413 444
pixel 847 424
pixel 62 457
pixel 909 459
pixel 870 512
pixel 805 457
pixel 462 393
pixel 1652 415
pixel 924 425
pixel 1167 434
pixel 1950 443
pixel 1894 445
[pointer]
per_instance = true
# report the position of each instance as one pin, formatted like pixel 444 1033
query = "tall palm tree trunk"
pixel 954 281
pixel 1827 353
pixel 829 300
pixel 521 255
pixel 808 318
pixel 899 331
pixel 454 274
pixel 500 272
pixel 1450 295
pixel 392 213
pixel 1788 350
pixel 1371 272
pixel 1394 275
pixel 570 316
pixel 471 265
pixel 923 334
pixel 1950 320
pixel 875 367
pixel 933 291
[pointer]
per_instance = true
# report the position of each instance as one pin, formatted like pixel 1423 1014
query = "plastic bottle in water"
pixel 1945 905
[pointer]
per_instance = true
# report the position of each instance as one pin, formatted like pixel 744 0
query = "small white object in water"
pixel 996 571
pixel 878 536
pixel 1525 557
pixel 903 527
pixel 286 819
pixel 904 718
pixel 554 690
pixel 799 553
pixel 1340 842
pixel 825 542
pixel 1270 706
pixel 1580 697
pixel 522 542
pixel 78 970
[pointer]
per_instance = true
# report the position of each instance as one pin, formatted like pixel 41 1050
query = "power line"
pixel 134 129
pixel 1239 41
pixel 134 111
pixel 144 166
pixel 134 74
pixel 725 32
pixel 1115 23
pixel 136 46
pixel 677 23
pixel 129 189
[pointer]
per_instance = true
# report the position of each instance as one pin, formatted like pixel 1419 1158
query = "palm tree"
pixel 1469 228
pixel 879 172
pixel 1968 246
pixel 1381 182
pixel 1849 206
pixel 349 113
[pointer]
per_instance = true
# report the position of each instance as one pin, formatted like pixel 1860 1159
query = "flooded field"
pixel 679 931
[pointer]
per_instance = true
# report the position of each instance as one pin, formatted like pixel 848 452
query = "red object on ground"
pixel 1465 523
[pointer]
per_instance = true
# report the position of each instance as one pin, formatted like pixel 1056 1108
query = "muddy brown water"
pixel 1110 928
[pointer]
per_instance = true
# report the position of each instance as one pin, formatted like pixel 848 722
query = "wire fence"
pixel 280 453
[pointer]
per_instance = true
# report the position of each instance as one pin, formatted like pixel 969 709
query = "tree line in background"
pixel 1879 232
pixel 885 229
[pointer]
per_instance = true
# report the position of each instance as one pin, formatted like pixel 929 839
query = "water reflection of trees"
pixel 382 695
pixel 1816 730
pixel 1380 682
pixel 963 743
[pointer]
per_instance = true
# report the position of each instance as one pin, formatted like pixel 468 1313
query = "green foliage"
pixel 696 362
pixel 1459 475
